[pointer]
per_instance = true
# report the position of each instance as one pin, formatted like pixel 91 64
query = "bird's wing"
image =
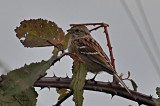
pixel 92 50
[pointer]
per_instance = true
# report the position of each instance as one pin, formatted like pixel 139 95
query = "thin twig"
pixel 109 47
pixel 95 28
pixel 55 58
pixel 66 97
pixel 61 49
pixel 104 24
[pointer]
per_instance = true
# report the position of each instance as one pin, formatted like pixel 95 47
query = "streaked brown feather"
pixel 92 46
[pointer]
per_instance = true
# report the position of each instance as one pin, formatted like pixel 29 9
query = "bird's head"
pixel 78 31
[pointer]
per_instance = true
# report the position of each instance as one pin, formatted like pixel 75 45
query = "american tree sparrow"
pixel 83 45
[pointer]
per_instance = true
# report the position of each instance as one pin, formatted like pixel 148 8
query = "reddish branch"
pixel 90 24
pixel 106 87
pixel 110 47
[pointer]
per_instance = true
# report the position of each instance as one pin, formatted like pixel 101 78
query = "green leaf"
pixel 78 82
pixel 21 79
pixel 66 40
pixel 62 92
pixel 40 33
pixel 157 101
pixel 158 91
pixel 134 85
pixel 24 98
pixel 55 52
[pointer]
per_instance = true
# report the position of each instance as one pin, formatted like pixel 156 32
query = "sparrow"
pixel 88 50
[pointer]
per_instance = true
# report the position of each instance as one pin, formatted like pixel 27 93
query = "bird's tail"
pixel 124 85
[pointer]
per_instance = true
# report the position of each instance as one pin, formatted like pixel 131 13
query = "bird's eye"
pixel 77 30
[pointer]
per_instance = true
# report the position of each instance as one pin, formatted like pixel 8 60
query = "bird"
pixel 89 51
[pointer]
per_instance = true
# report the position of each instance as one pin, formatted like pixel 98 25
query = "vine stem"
pixel 110 47
pixel 105 87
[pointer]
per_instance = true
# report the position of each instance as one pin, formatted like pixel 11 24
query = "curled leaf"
pixel 129 74
pixel 134 85
pixel 40 33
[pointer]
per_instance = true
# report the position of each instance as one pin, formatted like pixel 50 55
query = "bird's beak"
pixel 69 30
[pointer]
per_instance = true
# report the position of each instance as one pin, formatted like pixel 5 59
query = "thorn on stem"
pixel 139 103
pixel 110 83
pixel 49 88
pixel 41 88
pixel 115 93
pixel 54 75
pixel 151 96
pixel 67 76
pixel 112 95
pixel 58 79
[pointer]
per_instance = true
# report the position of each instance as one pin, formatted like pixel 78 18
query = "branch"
pixel 109 47
pixel 55 58
pixel 104 24
pixel 95 28
pixel 106 87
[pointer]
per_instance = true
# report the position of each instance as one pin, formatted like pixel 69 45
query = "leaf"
pixel 24 98
pixel 21 79
pixel 66 40
pixel 134 85
pixel 40 33
pixel 55 52
pixel 62 92
pixel 129 74
pixel 78 82
pixel 158 91
pixel 157 101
